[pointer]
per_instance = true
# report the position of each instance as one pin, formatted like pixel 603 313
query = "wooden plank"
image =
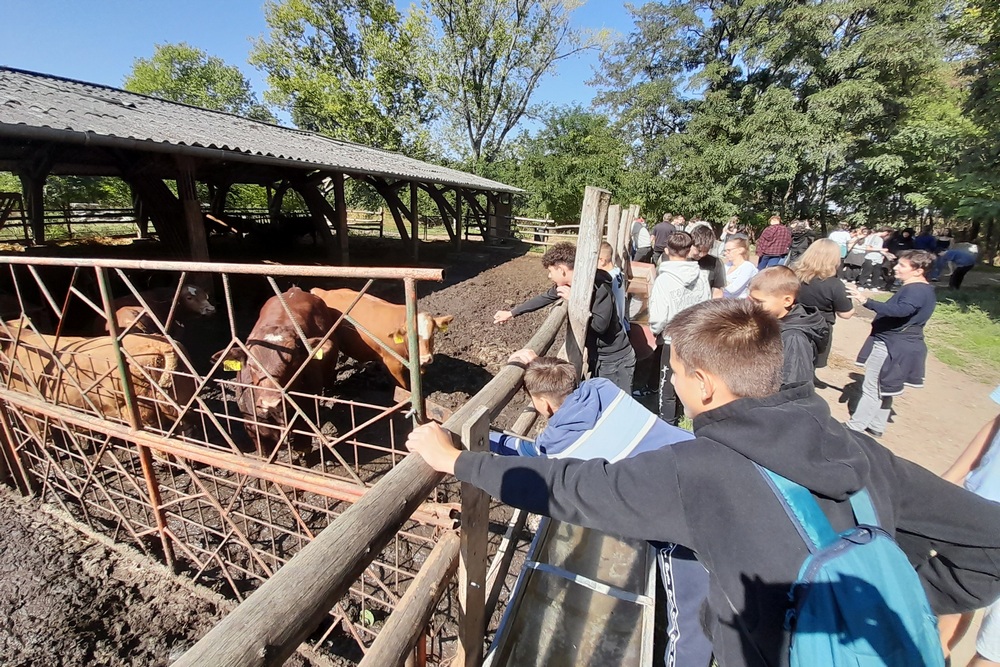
pixel 408 620
pixel 592 217
pixel 473 553
pixel 340 207
pixel 614 223
pixel 188 195
pixel 438 413
pixel 414 222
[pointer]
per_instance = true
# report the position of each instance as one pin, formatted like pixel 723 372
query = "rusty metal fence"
pixel 138 436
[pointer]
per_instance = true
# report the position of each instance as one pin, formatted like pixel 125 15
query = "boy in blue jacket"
pixel 597 420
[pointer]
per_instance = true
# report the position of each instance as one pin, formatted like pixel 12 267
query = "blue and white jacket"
pixel 597 421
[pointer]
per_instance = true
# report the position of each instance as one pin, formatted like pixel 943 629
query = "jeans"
pixel 671 409
pixel 620 371
pixel 769 260
pixel 873 409
pixel 957 276
pixel 643 254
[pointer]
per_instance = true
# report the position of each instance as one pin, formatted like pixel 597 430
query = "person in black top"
pixel 704 238
pixel 900 240
pixel 661 231
pixel 822 289
pixel 610 354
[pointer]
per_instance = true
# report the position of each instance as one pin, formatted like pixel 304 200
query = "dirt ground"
pixel 68 600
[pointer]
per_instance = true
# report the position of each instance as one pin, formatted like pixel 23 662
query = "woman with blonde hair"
pixel 822 289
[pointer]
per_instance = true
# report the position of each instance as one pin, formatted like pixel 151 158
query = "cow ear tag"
pixel 318 354
pixel 396 338
pixel 442 328
pixel 232 365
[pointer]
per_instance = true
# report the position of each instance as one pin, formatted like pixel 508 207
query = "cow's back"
pixel 379 317
pixel 308 310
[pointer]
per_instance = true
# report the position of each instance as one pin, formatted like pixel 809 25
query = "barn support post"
pixel 473 556
pixel 459 225
pixel 413 352
pixel 222 188
pixel 188 195
pixel 267 627
pixel 340 207
pixel 319 210
pixel 34 201
pixel 414 221
pixel 614 224
pixel 392 201
pixel 132 410
pixel 444 207
pixel 592 217
pixel 405 626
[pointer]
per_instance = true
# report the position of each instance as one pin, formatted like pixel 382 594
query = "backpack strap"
pixel 802 509
pixel 864 510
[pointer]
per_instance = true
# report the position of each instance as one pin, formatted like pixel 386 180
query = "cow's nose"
pixel 208 310
pixel 269 403
pixel 426 359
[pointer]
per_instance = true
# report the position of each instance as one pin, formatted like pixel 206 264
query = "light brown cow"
pixel 387 321
pixel 277 351
pixel 91 373
pixel 192 303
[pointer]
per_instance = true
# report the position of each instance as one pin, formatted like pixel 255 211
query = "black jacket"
pixel 801 239
pixel 707 494
pixel 606 338
pixel 899 323
pixel 804 332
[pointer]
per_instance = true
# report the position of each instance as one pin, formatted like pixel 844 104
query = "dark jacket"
pixel 706 493
pixel 804 332
pixel 899 323
pixel 606 337
pixel 801 239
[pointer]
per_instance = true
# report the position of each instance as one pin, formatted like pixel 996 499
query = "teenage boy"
pixel 708 493
pixel 773 243
pixel 604 263
pixel 609 352
pixel 679 283
pixel 661 231
pixel 702 242
pixel 597 420
pixel 804 330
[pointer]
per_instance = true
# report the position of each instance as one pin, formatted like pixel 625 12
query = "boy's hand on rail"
pixel 502 316
pixel 523 356
pixel 434 444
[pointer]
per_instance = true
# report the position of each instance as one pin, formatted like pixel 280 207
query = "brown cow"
pixel 387 321
pixel 276 350
pixel 92 376
pixel 129 311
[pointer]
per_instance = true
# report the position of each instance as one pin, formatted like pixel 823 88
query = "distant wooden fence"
pixel 542 231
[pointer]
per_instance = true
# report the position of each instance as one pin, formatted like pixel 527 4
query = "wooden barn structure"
pixel 56 126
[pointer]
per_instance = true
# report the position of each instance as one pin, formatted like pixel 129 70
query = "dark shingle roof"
pixel 104 115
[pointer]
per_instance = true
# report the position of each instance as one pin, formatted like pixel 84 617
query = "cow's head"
pixel 276 354
pixel 427 325
pixel 195 300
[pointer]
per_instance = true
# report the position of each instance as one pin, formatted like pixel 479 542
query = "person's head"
pixel 548 381
pixel 775 290
pixel 678 246
pixel 722 350
pixel 906 233
pixel 604 256
pixel 736 250
pixel 844 225
pixel 702 240
pixel 913 265
pixel 733 221
pixel 820 260
pixel 927 230
pixel 667 217
pixel 774 220
pixel 559 260
pixel 678 221
pixel 885 232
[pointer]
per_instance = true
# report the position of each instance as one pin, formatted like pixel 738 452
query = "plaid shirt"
pixel 774 240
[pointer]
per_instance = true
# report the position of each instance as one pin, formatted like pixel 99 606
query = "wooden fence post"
pixel 592 217
pixel 614 224
pixel 473 557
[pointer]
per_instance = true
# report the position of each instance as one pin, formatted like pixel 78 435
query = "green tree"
pixel 183 73
pixel 489 61
pixel 348 69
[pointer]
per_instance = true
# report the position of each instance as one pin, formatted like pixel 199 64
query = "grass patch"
pixel 964 331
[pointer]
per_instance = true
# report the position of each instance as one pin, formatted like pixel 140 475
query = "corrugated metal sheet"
pixel 44 101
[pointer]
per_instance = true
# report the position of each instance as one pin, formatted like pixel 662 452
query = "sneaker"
pixel 873 433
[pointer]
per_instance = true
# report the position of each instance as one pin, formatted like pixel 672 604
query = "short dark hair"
pixel 679 244
pixel 703 238
pixel 776 281
pixel 550 377
pixel 918 259
pixel 606 251
pixel 561 253
pixel 735 340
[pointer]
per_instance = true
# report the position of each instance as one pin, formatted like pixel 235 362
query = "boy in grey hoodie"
pixel 680 283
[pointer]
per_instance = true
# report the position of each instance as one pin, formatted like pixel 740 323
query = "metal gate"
pixel 138 436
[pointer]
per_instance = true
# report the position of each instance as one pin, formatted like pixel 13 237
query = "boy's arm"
pixel 536 302
pixel 901 306
pixel 602 312
pixel 797 365
pixel 973 454
pixel 638 497
pixel 511 445
pixel 659 307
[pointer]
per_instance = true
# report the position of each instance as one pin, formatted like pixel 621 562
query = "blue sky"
pixel 97 40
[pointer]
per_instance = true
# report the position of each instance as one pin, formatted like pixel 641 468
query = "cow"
pixel 129 311
pixel 387 321
pixel 91 378
pixel 277 350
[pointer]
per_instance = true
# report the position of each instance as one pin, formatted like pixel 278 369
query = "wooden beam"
pixel 340 208
pixel 614 223
pixel 405 626
pixel 592 217
pixel 267 627
pixel 393 203
pixel 444 206
pixel 474 553
pixel 195 224
pixel 459 225
pixel 414 221
pixel 320 211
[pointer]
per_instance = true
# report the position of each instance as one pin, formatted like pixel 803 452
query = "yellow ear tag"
pixel 443 327
pixel 396 338
pixel 318 354
pixel 232 365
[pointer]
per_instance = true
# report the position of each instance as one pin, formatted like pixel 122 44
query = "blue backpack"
pixel 857 600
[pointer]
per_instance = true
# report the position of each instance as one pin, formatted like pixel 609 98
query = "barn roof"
pixel 37 106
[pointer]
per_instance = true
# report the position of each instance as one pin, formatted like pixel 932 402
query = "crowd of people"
pixel 737 346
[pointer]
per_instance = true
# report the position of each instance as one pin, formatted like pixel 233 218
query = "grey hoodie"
pixel 678 285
